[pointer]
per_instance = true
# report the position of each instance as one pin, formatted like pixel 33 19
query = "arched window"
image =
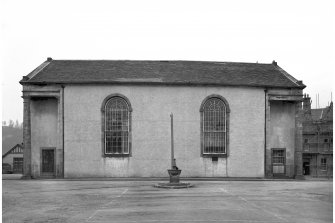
pixel 116 125
pixel 214 126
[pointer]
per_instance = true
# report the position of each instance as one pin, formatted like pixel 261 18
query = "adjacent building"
pixel 13 159
pixel 317 140
pixel 105 118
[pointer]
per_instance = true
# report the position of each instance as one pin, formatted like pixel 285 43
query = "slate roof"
pixel 322 113
pixel 161 72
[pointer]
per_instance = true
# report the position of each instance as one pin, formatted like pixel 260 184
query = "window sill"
pixel 116 155
pixel 214 155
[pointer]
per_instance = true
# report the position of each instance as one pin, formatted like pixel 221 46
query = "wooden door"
pixel 48 161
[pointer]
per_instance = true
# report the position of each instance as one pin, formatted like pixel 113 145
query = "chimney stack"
pixel 306 104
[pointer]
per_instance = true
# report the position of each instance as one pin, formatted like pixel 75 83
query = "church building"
pixel 111 118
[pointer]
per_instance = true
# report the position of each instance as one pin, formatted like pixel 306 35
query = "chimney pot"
pixel 49 59
pixel 274 62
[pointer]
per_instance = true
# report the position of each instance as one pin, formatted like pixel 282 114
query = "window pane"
pixel 278 156
pixel 125 142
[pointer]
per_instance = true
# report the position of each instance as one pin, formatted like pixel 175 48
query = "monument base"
pixel 174 181
pixel 173 185
pixel 174 175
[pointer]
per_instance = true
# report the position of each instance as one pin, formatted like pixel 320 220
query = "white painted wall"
pixel 282 131
pixel 44 117
pixel 152 106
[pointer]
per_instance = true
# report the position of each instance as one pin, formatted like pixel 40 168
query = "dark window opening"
pixel 323 164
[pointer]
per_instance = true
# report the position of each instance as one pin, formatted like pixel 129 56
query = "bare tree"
pixel 17 124
pixel 11 123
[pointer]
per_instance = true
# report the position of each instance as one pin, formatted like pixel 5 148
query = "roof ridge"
pixel 163 60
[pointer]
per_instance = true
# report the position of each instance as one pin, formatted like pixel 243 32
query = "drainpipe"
pixel 63 129
pixel 265 106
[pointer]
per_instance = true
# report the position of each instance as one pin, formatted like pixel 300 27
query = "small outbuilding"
pixel 14 159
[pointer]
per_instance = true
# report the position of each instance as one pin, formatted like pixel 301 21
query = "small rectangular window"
pixel 323 164
pixel 326 140
pixel 18 165
pixel 278 161
pixel 306 140
pixel 278 157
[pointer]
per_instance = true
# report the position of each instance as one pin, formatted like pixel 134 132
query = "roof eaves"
pixel 186 83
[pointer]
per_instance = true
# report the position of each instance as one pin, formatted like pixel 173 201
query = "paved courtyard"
pixel 139 201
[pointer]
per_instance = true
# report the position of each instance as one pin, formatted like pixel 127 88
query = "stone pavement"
pixel 138 201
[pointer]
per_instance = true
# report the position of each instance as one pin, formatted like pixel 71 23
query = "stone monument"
pixel 174 172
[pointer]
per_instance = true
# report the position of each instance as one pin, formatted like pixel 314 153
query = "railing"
pixel 318 147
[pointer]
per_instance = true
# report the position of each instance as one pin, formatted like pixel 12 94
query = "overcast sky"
pixel 299 35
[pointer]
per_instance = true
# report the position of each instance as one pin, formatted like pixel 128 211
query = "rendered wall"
pixel 44 117
pixel 152 106
pixel 282 132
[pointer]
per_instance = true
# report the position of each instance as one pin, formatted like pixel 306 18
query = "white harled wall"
pixel 44 130
pixel 152 106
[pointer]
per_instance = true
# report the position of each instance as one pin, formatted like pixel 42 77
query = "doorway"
pixel 48 162
pixel 306 168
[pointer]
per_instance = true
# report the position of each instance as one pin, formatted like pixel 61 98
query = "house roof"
pixel 322 113
pixel 13 148
pixel 317 113
pixel 161 72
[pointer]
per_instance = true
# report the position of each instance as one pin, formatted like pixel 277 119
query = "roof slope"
pixel 323 113
pixel 19 146
pixel 317 113
pixel 161 72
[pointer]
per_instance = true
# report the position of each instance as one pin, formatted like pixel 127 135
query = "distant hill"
pixel 10 137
